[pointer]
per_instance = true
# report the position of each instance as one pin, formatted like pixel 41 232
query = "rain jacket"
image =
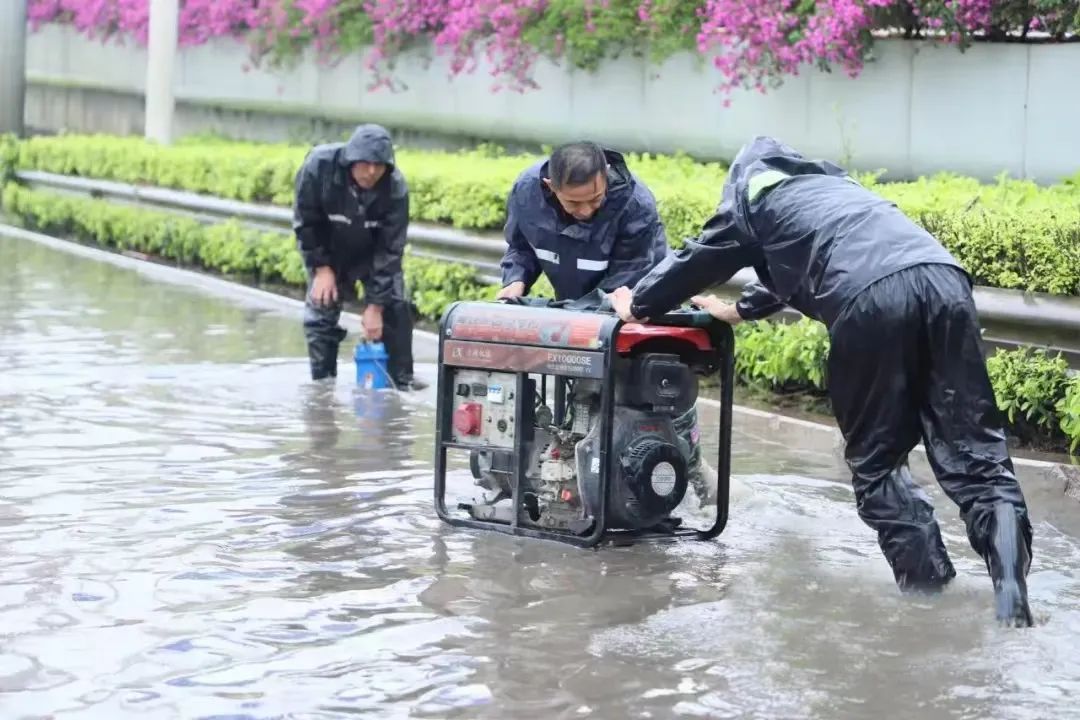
pixel 359 233
pixel 616 247
pixel 814 236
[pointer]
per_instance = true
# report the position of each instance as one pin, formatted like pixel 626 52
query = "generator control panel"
pixel 484 406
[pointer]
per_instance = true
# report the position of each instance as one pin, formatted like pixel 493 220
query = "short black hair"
pixel 575 163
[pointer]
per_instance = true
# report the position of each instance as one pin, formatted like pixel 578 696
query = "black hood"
pixel 369 143
pixel 766 161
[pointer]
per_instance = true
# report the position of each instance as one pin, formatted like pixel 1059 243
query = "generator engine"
pixel 651 462
pixel 614 447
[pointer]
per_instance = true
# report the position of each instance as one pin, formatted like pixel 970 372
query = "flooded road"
pixel 191 529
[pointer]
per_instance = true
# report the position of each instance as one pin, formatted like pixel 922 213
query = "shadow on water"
pixel 191 529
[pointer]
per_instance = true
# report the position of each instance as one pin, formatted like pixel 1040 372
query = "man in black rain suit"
pixel 906 356
pixel 350 216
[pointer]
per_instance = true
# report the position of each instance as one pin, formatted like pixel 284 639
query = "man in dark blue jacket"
pixel 906 360
pixel 584 220
pixel 350 216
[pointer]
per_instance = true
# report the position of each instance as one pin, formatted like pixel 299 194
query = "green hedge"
pixel 230 247
pixel 465 189
pixel 1042 402
pixel 1011 234
pixel 1035 391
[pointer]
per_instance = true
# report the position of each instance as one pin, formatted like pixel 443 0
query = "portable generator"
pixel 600 459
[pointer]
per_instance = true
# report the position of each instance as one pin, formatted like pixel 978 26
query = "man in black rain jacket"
pixel 350 216
pixel 906 359
pixel 584 220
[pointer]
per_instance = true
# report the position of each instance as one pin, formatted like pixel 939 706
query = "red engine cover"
pixel 634 333
pixel 467 419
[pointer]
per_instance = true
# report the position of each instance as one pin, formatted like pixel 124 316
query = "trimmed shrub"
pixel 1011 234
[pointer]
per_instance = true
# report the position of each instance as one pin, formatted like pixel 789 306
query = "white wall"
pixel 916 109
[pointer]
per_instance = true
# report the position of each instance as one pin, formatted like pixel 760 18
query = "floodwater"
pixel 191 529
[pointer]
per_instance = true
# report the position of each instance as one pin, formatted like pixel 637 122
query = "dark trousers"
pixel 907 363
pixel 324 335
pixel 686 426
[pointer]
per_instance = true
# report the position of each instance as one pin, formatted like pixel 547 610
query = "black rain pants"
pixel 907 363
pixel 324 335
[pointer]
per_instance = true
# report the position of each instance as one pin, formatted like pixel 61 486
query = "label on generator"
pixel 517 358
pixel 549 327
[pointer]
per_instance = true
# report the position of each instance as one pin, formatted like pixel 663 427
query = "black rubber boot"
pixel 908 533
pixel 397 338
pixel 1008 561
pixel 323 345
pixel 323 336
pixel 323 363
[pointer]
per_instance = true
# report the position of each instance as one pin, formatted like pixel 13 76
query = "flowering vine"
pixel 753 43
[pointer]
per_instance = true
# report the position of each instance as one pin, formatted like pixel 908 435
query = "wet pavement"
pixel 191 529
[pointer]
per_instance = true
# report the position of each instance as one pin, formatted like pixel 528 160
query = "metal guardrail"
pixel 1011 318
pixel 442 243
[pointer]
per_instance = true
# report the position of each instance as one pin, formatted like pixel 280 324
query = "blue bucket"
pixel 371 372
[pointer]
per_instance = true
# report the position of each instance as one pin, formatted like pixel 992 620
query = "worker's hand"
pixel 621 300
pixel 513 290
pixel 324 287
pixel 372 322
pixel 718 308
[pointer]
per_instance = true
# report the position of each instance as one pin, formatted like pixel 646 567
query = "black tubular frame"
pixel 722 338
